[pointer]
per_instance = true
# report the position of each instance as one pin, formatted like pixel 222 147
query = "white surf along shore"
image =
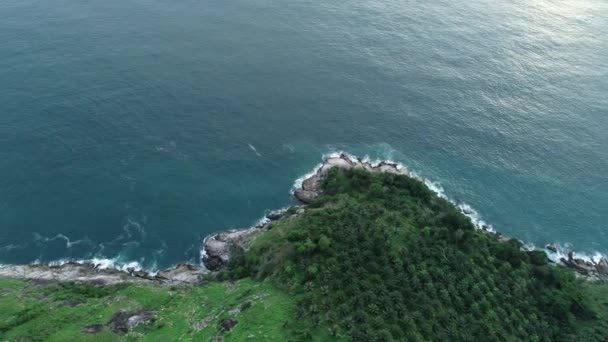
pixel 215 248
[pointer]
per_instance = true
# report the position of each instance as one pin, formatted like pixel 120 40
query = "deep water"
pixel 130 129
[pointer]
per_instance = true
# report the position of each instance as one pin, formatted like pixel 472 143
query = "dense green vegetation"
pixel 378 257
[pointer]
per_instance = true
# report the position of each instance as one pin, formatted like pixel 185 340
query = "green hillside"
pixel 378 257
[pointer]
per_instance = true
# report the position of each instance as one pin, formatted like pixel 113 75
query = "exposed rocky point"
pixel 91 273
pixel 217 248
pixel 597 270
pixel 311 186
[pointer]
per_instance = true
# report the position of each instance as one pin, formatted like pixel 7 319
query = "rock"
pixel 213 263
pixel 122 322
pixel 602 266
pixel 306 196
pixel 228 324
pixel 276 214
pixel 552 247
pixel 341 162
pixel 182 273
pixel 92 274
pixel 141 274
pixel 92 329
pixel 118 322
pixel 217 248
pixel 143 317
pixel 312 183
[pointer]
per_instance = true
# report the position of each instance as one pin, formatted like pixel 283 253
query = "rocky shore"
pixel 91 273
pixel 311 186
pixel 216 248
pixel 592 269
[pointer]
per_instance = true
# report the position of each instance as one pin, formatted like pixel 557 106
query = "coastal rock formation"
pixel 595 270
pixel 311 186
pixel 217 248
pixel 91 273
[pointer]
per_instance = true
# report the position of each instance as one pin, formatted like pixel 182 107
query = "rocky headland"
pixel 216 249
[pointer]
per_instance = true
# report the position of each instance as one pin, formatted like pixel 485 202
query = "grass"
pixel 31 311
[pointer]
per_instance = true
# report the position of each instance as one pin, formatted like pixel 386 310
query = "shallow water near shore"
pixel 130 130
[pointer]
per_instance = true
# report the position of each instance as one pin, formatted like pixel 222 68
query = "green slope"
pixel 380 257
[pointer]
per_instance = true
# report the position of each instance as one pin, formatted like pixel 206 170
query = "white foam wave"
pixel 297 184
pixel 254 150
pixel 11 247
pixel 116 263
pixel 68 243
pixel 559 251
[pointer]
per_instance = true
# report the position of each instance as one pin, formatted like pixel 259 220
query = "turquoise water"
pixel 131 129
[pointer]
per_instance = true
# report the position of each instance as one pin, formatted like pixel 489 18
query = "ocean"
pixel 131 129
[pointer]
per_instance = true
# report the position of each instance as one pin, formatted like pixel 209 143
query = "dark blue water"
pixel 128 127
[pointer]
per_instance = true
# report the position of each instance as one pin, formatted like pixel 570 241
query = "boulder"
pixel 305 196
pixel 276 215
pixel 217 248
pixel 311 184
pixel 340 162
pixel 213 263
pixel 228 324
pixel 552 247
pixel 123 321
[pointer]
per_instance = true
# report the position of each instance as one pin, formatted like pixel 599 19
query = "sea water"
pixel 131 129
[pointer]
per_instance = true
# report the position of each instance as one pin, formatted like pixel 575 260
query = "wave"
pixel 119 263
pixel 11 247
pixel 68 243
pixel 254 150
pixel 561 251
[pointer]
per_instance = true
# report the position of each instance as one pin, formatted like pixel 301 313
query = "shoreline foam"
pixel 559 254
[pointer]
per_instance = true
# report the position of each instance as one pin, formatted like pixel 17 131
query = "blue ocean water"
pixel 131 129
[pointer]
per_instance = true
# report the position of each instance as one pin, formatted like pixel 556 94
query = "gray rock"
pixel 217 248
pixel 122 322
pixel 552 247
pixel 92 329
pixel 228 324
pixel 276 215
pixel 306 196
pixel 88 273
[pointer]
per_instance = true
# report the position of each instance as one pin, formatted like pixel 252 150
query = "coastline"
pixel 216 248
